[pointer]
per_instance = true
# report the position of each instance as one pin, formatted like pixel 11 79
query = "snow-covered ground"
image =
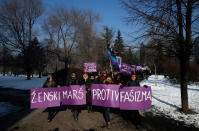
pixel 167 99
pixel 21 82
pixel 6 108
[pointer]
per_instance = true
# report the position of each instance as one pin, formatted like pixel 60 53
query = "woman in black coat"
pixel 134 114
pixel 52 111
pixel 75 109
pixel 87 82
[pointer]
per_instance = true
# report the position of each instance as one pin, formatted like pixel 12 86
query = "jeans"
pixel 106 114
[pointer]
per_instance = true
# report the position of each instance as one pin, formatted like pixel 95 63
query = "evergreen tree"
pixel 118 46
pixel 35 54
pixel 5 58
pixel 107 37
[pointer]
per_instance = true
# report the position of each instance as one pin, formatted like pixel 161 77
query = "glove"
pixel 145 86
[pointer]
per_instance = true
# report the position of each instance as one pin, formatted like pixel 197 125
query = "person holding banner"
pixel 75 109
pixel 134 113
pixel 106 112
pixel 92 80
pixel 104 75
pixel 133 81
pixel 87 82
pixel 97 79
pixel 118 80
pixel 50 83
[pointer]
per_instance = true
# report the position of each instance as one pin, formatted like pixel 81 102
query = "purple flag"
pixel 44 97
pixel 119 59
pixel 90 67
pixel 73 95
pixel 106 95
pixel 126 68
pixel 135 98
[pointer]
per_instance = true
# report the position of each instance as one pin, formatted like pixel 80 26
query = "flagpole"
pixel 110 62
pixel 111 67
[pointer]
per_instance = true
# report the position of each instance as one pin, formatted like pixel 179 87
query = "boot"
pixel 108 125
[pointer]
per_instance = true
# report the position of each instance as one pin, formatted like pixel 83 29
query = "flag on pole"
pixel 113 59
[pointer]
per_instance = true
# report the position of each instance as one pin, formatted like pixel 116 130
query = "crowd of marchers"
pixel 103 77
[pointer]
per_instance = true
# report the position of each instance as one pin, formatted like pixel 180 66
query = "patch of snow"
pixel 166 99
pixel 6 108
pixel 21 82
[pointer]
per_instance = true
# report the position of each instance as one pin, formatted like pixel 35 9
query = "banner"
pixel 73 95
pixel 44 97
pixel 135 98
pixel 126 68
pixel 105 95
pixel 138 68
pixel 145 68
pixel 90 67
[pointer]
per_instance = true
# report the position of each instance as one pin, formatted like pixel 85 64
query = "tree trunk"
pixel 40 74
pixel 4 71
pixel 28 74
pixel 155 74
pixel 66 63
pixel 184 64
pixel 27 67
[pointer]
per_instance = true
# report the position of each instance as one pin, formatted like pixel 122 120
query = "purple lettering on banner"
pixel 73 95
pixel 106 95
pixel 44 97
pixel 90 67
pixel 126 68
pixel 135 98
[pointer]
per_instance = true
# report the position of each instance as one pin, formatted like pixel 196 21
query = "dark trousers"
pixel 75 111
pixel 52 111
pixel 106 114
pixel 132 115
pixel 135 117
pixel 89 101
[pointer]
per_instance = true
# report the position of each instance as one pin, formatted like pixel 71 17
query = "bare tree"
pixel 87 38
pixel 174 23
pixel 17 18
pixel 67 29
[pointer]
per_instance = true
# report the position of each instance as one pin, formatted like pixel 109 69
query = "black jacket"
pixel 86 83
pixel 133 83
pixel 73 82
pixel 48 84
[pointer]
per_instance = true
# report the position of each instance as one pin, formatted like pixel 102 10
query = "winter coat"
pixel 48 84
pixel 73 82
pixel 86 82
pixel 99 80
pixel 133 83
